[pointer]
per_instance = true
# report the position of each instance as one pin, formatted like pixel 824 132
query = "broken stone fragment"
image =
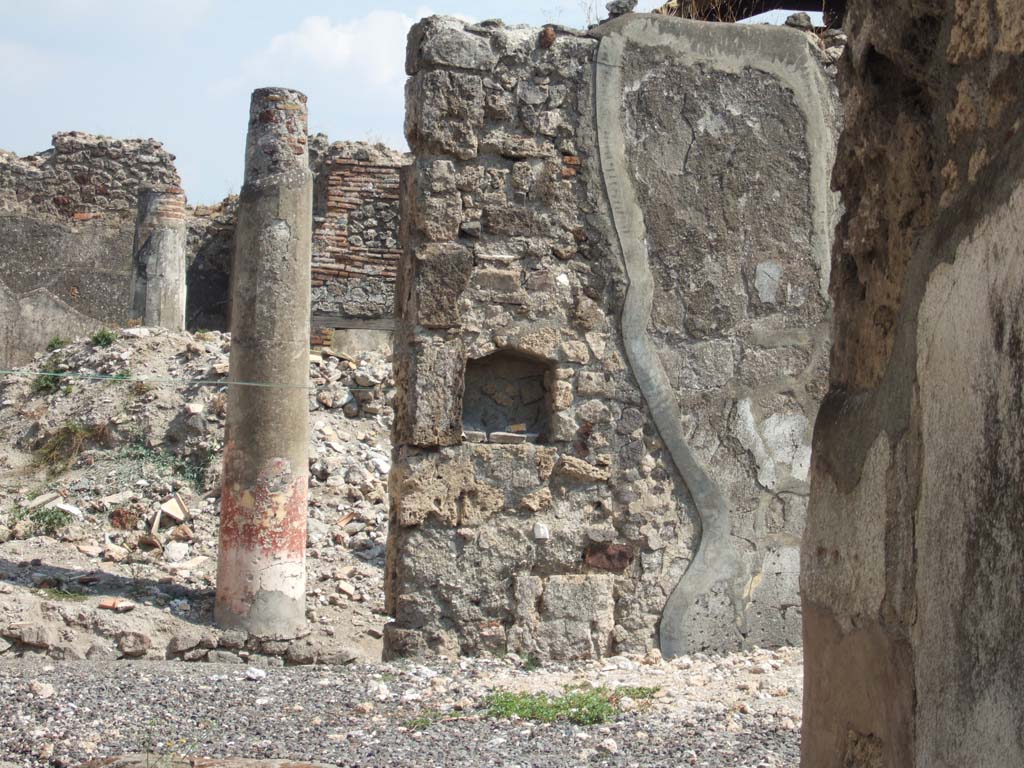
pixel 799 21
pixel 618 8
pixel 34 635
pixel 116 604
pixel 578 469
pixel 134 644
pixel 44 500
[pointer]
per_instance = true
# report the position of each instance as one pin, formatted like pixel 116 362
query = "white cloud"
pixel 370 48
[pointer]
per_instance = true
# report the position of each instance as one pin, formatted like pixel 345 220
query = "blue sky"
pixel 181 71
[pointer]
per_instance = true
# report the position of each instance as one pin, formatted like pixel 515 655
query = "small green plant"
pixel 636 692
pixel 47 382
pixel 50 520
pixel 192 469
pixel 56 343
pixel 531 663
pixel 428 717
pixel 63 595
pixel 103 338
pixel 580 707
pixel 423 720
pixel 64 446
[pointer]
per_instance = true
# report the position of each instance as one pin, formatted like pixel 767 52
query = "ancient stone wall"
pixel 613 329
pixel 210 247
pixel 355 236
pixel 67 223
pixel 355 243
pixel 912 558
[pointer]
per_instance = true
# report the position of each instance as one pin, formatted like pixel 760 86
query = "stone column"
pixel 158 255
pixel 261 573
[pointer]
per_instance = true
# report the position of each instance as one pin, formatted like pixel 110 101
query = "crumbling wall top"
pixel 84 176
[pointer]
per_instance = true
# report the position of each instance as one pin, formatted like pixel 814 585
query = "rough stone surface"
pixel 261 573
pixel 158 278
pixel 544 411
pixel 915 538
pixel 67 223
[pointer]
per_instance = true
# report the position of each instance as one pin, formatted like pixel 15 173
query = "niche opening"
pixel 507 399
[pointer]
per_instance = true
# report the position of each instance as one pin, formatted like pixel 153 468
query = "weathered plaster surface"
pixel 527 158
pixel 912 562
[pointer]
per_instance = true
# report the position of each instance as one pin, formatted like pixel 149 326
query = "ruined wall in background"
pixel 67 223
pixel 355 236
pixel 575 474
pixel 912 560
pixel 210 248
pixel 355 243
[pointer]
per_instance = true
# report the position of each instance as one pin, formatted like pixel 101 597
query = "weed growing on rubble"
pixel 192 469
pixel 637 692
pixel 578 706
pixel 428 717
pixel 46 383
pixel 50 520
pixel 56 343
pixel 64 446
pixel 47 520
pixel 103 338
pixel 63 595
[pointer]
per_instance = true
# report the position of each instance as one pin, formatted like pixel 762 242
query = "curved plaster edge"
pixel 781 52
pixel 715 559
pixel 731 49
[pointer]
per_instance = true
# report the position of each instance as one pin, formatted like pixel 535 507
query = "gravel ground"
pixel 709 712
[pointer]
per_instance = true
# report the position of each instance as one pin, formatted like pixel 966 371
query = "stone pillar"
pixel 911 568
pixel 261 573
pixel 158 277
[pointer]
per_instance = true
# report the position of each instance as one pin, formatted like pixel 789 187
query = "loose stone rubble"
pixel 736 711
pixel 72 538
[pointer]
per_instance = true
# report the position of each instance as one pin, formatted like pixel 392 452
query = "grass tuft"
pixel 56 343
pixel 47 521
pixel 636 692
pixel 580 707
pixel 63 595
pixel 191 470
pixel 46 383
pixel 103 338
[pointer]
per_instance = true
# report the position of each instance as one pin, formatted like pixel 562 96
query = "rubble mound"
pixel 109 502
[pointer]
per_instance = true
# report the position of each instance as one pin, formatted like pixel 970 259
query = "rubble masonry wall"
pixel 67 223
pixel 615 260
pixel 355 236
pixel 912 558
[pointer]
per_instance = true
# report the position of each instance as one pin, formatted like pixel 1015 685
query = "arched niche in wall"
pixel 507 399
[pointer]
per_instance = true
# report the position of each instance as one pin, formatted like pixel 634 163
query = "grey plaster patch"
pixel 785 56
pixel 714 559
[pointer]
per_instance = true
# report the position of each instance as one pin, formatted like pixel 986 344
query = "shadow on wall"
pixel 507 399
